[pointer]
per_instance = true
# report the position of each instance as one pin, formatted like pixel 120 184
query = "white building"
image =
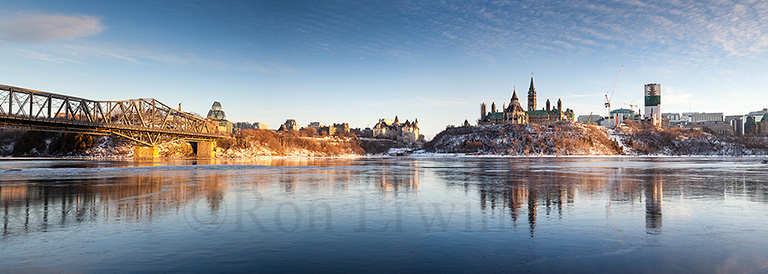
pixel 704 116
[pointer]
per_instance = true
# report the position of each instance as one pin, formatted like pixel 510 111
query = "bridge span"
pixel 145 122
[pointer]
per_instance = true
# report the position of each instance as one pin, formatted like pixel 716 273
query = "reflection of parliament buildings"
pixel 28 206
pixel 531 193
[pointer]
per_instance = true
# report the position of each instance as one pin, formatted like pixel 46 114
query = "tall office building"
pixel 653 103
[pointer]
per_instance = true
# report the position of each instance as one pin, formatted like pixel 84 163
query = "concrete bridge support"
pixel 145 153
pixel 204 149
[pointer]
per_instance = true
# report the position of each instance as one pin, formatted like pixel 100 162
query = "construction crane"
pixel 608 99
pixel 590 118
pixel 631 106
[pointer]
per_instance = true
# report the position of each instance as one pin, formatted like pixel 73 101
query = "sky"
pixel 359 61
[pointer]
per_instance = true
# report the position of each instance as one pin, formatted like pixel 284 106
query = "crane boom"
pixel 607 98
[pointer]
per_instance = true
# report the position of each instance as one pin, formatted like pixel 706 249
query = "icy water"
pixel 604 215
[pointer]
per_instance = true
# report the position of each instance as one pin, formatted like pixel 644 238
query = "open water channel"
pixel 420 214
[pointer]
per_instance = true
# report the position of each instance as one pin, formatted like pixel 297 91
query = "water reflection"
pixel 397 179
pixel 37 199
pixel 413 210
pixel 515 187
pixel 42 205
pixel 522 186
pixel 653 201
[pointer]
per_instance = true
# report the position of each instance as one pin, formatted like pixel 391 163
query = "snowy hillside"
pixel 648 140
pixel 558 139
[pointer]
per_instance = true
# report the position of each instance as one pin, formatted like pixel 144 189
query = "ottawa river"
pixel 420 214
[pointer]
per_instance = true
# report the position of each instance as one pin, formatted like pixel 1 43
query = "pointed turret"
pixel 397 120
pixel 416 123
pixel 548 108
pixel 559 105
pixel 493 107
pixel 531 97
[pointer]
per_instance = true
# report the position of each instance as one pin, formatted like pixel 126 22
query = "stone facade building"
pixel 515 114
pixel 217 115
pixel 762 126
pixel 407 132
pixel 316 125
pixel 531 97
pixel 550 115
pixel 335 129
pixel 289 124
pixel 342 128
pixel 242 125
pixel 327 130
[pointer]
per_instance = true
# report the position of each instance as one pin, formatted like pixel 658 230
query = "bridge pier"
pixel 145 153
pixel 203 149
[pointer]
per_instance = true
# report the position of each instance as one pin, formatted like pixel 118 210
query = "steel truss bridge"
pixel 144 121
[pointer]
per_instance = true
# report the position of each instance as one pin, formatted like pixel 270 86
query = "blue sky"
pixel 358 61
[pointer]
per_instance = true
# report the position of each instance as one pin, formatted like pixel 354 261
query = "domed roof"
pixel 216 113
pixel 216 105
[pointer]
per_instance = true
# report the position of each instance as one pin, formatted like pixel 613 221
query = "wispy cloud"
pixel 41 28
pixel 690 30
pixel 77 53
pixel 44 57
pixel 679 98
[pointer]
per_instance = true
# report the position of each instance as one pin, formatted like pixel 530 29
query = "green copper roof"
pixel 538 112
pixel 495 115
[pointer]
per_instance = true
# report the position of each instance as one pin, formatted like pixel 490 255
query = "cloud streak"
pixel 42 28
pixel 657 29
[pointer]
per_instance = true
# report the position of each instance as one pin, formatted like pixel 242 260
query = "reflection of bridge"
pixel 147 122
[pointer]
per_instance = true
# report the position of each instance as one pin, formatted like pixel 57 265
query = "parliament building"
pixel 514 114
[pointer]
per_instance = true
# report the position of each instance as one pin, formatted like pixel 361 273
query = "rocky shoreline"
pixel 589 140
pixel 565 139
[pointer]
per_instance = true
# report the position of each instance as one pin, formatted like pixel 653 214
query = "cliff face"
pixel 531 139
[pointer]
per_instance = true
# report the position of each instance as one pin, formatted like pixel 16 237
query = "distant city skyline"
pixel 357 62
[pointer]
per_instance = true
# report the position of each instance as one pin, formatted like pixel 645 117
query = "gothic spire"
pixel 531 97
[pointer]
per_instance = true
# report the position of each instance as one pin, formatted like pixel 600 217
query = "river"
pixel 398 214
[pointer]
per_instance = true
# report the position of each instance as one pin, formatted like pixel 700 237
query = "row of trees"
pixel 37 143
pixel 647 139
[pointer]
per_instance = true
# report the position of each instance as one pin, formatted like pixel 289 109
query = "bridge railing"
pixel 148 115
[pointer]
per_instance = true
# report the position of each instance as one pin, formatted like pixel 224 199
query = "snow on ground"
pixel 530 139
pixel 106 147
